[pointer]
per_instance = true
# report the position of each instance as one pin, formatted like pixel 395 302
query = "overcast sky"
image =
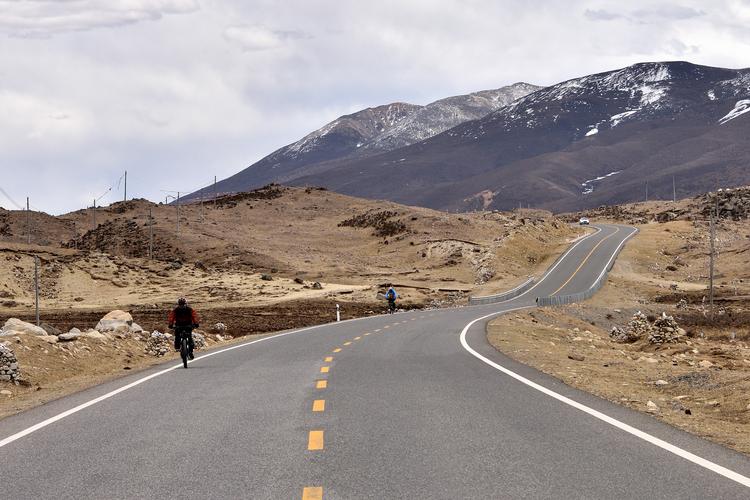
pixel 177 91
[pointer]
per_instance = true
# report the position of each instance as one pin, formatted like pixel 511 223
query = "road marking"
pixel 312 493
pixel 377 330
pixel 723 471
pixel 319 405
pixel 321 384
pixel 347 343
pixel 357 338
pixel 315 441
pixel 366 334
pixel 386 327
pixel 338 349
pixel 51 420
pixel 324 369
pixel 583 262
pixel 328 359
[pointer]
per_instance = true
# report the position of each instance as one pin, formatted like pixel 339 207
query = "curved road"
pixel 415 405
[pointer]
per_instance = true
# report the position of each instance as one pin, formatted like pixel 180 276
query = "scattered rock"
pixel 266 277
pixel 51 330
pixel 299 281
pixel 576 357
pixel 6 392
pixel 661 382
pixel 705 364
pixel 73 334
pixel 317 286
pixel 651 407
pixel 50 339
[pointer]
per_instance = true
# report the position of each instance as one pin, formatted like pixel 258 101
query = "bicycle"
pixel 185 334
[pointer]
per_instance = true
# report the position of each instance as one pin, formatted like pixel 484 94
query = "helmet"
pixel 182 301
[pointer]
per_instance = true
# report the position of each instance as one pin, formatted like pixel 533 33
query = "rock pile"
pixel 665 330
pixel 637 328
pixel 159 344
pixel 731 203
pixel 199 340
pixel 8 364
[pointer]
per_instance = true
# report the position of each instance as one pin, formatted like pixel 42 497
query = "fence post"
pixel 338 313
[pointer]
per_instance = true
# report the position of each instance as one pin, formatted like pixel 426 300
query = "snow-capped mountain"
pixel 447 113
pixel 587 141
pixel 366 133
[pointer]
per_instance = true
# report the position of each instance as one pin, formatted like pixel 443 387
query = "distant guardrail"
pixel 502 297
pixel 559 300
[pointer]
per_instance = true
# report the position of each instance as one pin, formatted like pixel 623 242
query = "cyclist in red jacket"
pixel 183 319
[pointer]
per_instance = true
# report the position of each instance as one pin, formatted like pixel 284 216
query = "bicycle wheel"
pixel 184 351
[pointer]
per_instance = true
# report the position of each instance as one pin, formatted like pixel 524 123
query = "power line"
pixel 18 206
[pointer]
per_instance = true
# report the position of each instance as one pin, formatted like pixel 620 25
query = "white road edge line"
pixel 718 469
pixel 76 409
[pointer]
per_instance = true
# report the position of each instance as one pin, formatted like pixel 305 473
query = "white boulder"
pixel 115 321
pixel 15 326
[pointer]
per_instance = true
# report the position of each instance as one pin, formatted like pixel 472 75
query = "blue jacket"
pixel 391 294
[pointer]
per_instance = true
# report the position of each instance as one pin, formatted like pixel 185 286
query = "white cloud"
pixel 43 18
pixel 94 89
pixel 255 38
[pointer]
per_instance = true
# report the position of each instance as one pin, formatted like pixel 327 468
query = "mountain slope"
pixel 366 133
pixel 647 122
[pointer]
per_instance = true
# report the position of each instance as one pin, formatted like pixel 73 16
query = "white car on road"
pixel 584 221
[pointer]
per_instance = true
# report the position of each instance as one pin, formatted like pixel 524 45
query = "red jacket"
pixel 183 316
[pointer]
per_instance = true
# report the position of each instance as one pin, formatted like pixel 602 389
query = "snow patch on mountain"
pixel 591 132
pixel 615 120
pixel 740 108
pixel 588 186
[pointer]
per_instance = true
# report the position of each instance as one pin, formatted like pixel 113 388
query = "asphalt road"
pixel 414 405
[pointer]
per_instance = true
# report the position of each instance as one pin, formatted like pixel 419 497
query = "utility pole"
pixel 214 191
pixel 75 236
pixel 178 213
pixel 28 221
pixel 94 213
pixel 150 235
pixel 674 191
pixel 36 287
pixel 712 236
pixel 125 198
pixel 202 205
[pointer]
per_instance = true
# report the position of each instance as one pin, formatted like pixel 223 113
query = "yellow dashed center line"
pixel 312 493
pixel 328 359
pixel 585 260
pixel 338 349
pixel 321 384
pixel 357 338
pixel 324 369
pixel 366 334
pixel 319 405
pixel 315 441
pixel 386 327
pixel 377 330
pixel 347 343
